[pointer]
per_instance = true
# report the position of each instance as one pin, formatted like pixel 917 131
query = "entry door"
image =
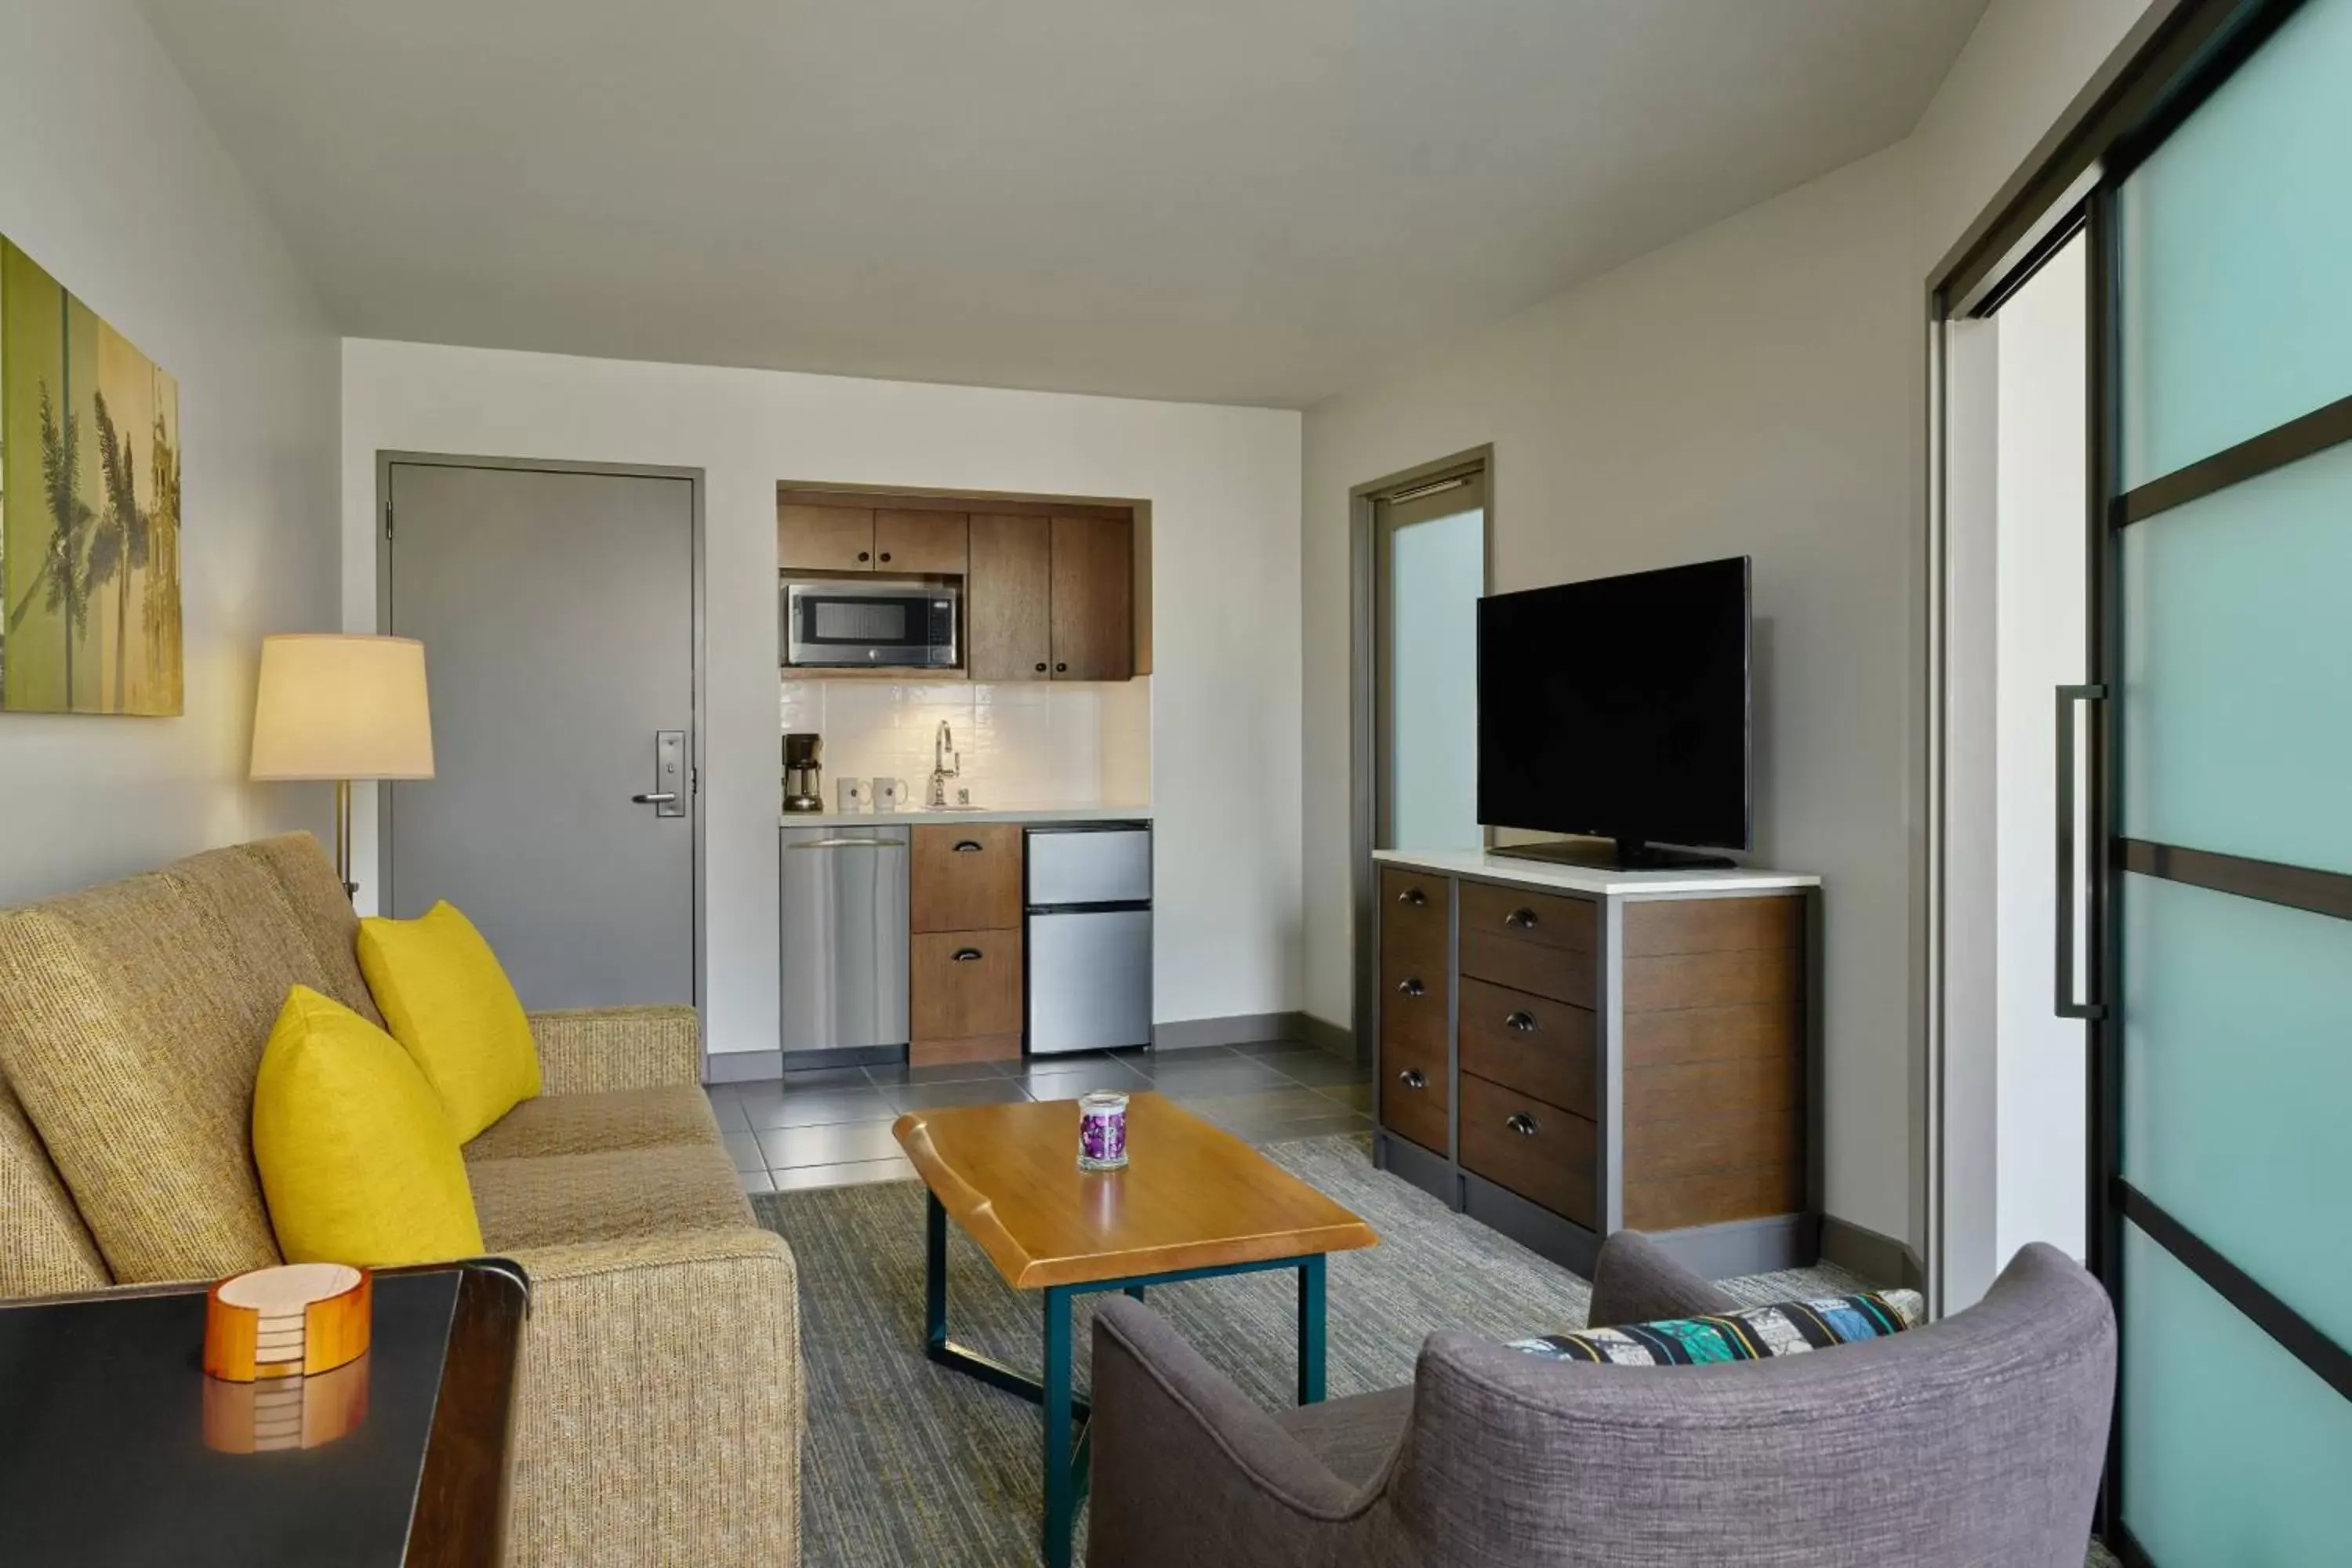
pixel 2225 705
pixel 557 610
pixel 1429 564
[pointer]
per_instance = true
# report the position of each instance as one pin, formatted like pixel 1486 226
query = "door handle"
pixel 1412 896
pixel 1520 1123
pixel 1412 1078
pixel 2068 697
pixel 671 783
pixel 1520 919
pixel 967 955
pixel 966 846
pixel 660 797
pixel 1409 988
pixel 1520 1023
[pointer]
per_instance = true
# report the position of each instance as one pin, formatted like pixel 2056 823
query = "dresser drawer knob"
pixel 1523 1125
pixel 1409 987
pixel 1412 1078
pixel 1412 896
pixel 1520 919
pixel 1520 1023
pixel 967 955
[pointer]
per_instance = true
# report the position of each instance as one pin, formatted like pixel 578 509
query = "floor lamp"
pixel 341 707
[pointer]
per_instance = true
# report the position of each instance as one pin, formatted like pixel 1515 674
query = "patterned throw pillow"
pixel 1751 1334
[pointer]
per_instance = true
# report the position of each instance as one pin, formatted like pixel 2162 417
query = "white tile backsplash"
pixel 1026 743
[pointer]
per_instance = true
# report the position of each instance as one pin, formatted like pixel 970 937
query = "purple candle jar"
pixel 1102 1130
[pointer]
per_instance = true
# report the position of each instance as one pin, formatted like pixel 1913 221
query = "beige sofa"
pixel 659 1419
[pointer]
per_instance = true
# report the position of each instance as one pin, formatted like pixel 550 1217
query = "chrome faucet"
pixel 944 765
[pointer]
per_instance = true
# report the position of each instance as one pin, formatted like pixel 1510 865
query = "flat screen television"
pixel 1619 708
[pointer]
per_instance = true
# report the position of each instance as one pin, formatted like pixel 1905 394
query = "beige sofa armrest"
pixel 660 1413
pixel 598 1048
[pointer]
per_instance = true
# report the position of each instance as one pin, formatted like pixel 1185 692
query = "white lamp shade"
pixel 339 706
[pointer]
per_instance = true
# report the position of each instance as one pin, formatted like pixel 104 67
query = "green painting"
pixel 89 508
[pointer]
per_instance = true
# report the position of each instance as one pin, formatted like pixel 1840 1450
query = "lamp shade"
pixel 341 707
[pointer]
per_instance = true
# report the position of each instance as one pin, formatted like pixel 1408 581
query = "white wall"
pixel 1223 488
pixel 111 181
pixel 2043 466
pixel 1756 388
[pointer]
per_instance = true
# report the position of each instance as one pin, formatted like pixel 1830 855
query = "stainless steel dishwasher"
pixel 843 934
pixel 1090 936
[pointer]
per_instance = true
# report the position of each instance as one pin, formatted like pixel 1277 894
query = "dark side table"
pixel 103 1459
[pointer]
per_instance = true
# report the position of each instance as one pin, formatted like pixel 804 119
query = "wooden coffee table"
pixel 1194 1202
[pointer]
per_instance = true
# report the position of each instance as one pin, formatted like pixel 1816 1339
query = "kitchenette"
pixel 965 835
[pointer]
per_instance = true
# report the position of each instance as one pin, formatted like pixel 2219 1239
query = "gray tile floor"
pixel 831 1128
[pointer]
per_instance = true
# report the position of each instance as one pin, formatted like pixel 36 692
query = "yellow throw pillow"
pixel 356 1155
pixel 445 998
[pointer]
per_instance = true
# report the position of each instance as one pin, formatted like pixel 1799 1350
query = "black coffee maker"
pixel 803 773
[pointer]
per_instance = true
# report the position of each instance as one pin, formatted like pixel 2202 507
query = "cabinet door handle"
pixel 1520 1023
pixel 861 556
pixel 1041 667
pixel 966 954
pixel 1520 919
pixel 1412 1078
pixel 1520 1123
pixel 885 555
pixel 1412 896
pixel 966 846
pixel 1061 668
pixel 1409 987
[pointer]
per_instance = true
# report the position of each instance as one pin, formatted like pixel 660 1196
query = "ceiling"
pixel 1235 201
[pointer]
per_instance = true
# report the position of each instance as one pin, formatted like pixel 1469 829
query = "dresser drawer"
pixel 965 877
pixel 1413 1091
pixel 1564 974
pixel 1413 916
pixel 1412 997
pixel 1534 1148
pixel 1531 1044
pixel 964 984
pixel 1542 919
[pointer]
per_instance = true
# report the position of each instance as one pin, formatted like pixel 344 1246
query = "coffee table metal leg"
pixel 1310 1330
pixel 1060 1483
pixel 935 1277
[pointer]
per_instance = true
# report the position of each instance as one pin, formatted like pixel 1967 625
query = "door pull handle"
pixel 1520 1123
pixel 2067 1007
pixel 966 954
pixel 1412 1078
pixel 658 798
pixel 966 846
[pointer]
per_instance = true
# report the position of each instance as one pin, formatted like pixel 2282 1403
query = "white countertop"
pixel 1114 812
pixel 1590 879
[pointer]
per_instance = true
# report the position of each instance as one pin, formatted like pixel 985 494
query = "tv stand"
pixel 1622 855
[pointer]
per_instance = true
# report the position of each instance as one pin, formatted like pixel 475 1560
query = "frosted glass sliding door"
pixel 1430 556
pixel 2225 725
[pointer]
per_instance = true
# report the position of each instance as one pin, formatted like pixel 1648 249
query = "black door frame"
pixel 2181 53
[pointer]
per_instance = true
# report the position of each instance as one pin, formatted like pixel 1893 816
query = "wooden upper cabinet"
pixel 1093 599
pixel 824 538
pixel 920 543
pixel 1008 633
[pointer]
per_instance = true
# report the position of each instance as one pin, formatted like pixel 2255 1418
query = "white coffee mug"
pixel 889 794
pixel 850 793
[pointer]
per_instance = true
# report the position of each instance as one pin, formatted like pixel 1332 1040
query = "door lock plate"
pixel 669 772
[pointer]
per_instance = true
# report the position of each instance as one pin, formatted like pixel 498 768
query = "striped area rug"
pixel 908 1464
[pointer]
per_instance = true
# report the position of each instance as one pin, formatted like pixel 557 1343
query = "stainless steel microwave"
pixel 871 622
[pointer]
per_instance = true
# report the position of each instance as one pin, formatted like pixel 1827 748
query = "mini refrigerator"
pixel 1088 936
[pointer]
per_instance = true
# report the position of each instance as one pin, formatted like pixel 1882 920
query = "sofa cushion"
pixel 1746 1333
pixel 355 1150
pixel 445 998
pixel 132 1022
pixel 552 1199
pixel 45 1248
pixel 322 910
pixel 599 1123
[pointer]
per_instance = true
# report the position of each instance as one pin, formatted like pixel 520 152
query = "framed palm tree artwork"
pixel 89 508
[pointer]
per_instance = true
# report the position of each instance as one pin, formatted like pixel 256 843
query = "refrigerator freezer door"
pixel 1090 866
pixel 1089 980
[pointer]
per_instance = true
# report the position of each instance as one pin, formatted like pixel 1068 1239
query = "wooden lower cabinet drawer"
pixel 1533 1147
pixel 965 877
pixel 1545 920
pixel 962 985
pixel 1562 973
pixel 1413 1001
pixel 1532 1044
pixel 1413 1090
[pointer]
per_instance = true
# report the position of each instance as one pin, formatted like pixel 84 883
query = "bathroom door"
pixel 557 607
pixel 2222 990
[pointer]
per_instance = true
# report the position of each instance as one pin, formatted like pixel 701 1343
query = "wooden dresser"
pixel 1565 1052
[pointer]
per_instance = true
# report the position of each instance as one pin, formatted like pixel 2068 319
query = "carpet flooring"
pixel 907 1463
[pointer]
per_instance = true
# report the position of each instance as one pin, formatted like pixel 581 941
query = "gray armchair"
pixel 1977 1440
